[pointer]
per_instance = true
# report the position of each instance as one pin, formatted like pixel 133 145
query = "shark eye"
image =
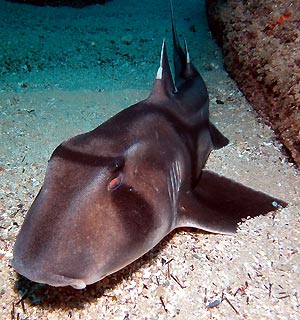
pixel 116 182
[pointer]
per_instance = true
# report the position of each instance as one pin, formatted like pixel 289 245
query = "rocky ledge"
pixel 260 40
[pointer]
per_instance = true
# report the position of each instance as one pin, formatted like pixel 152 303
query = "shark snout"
pixel 41 275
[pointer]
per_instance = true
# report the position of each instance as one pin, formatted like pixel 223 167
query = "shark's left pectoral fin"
pixel 218 204
pixel 218 139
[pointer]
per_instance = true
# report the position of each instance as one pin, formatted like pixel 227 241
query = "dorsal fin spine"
pixel 187 54
pixel 164 83
pixel 159 74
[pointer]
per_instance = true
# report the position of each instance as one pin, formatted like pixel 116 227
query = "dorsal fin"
pixel 184 69
pixel 164 84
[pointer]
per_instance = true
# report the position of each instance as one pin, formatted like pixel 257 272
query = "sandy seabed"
pixel 64 71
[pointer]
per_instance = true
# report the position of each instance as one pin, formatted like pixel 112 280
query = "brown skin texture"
pixel 260 44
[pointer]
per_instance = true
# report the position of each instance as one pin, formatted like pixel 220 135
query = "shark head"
pixel 93 215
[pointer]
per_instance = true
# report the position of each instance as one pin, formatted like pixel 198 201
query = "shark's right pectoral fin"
pixel 218 204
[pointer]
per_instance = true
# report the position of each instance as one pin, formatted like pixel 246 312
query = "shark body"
pixel 111 194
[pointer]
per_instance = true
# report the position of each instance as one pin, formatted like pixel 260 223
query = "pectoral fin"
pixel 219 141
pixel 218 204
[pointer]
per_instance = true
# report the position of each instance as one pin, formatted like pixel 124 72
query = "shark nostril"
pixel 77 284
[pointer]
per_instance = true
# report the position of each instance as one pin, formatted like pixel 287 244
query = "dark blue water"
pixel 116 45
